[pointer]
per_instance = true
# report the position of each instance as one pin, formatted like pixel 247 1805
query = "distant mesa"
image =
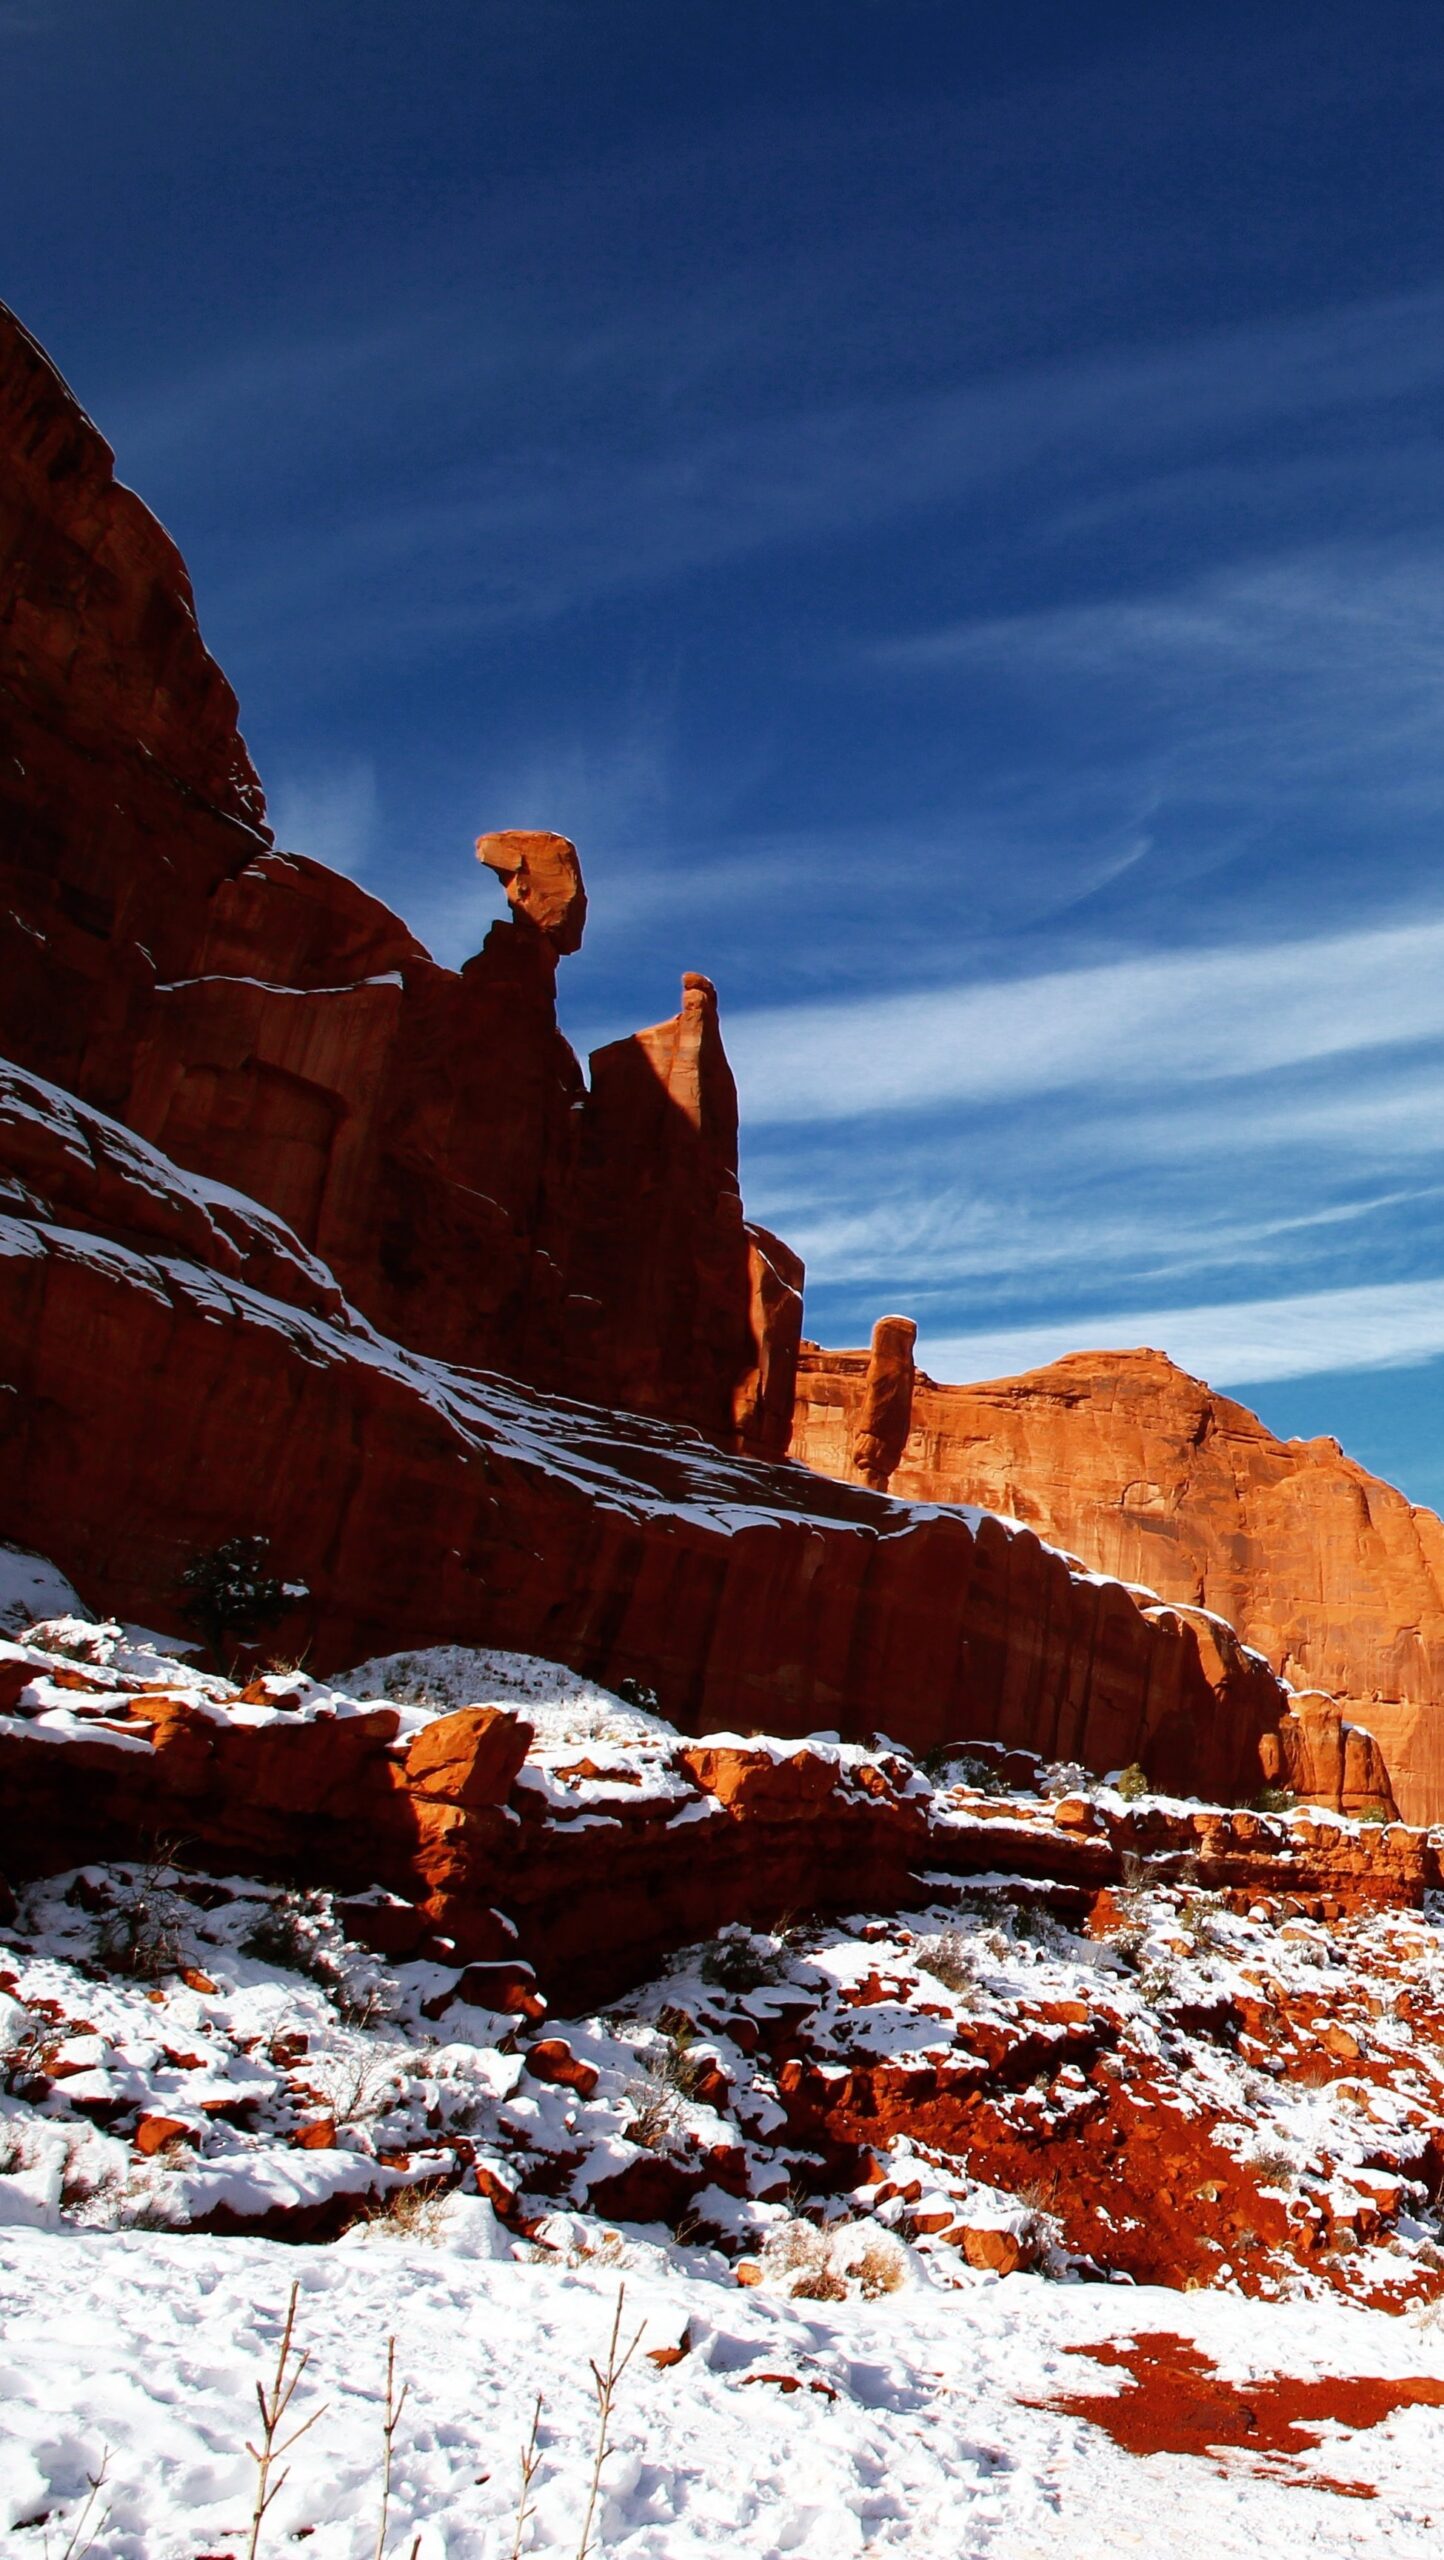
pixel 1150 1476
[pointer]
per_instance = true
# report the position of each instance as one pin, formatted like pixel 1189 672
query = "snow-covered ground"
pixel 212 2092
pixel 912 2424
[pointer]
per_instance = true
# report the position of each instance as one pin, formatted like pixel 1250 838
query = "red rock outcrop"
pixel 543 882
pixel 885 1415
pixel 274 1027
pixel 154 1402
pixel 1147 1474
pixel 594 1883
pixel 668 1282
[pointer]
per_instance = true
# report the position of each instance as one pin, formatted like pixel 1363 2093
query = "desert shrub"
pixel 813 2265
pixel 949 1959
pixel 1198 1917
pixel 1158 1982
pixel 143 1932
pixel 1033 1923
pixel 635 1693
pixel 1373 1813
pixel 287 1931
pixel 1066 1778
pixel 1132 1782
pixel 656 2110
pixel 952 1763
pixel 1272 1800
pixel 881 2266
pixel 22 2056
pixel 796 2254
pixel 739 1960
pixel 231 1593
pixel 678 2064
pixel 1271 2168
pixel 413 2212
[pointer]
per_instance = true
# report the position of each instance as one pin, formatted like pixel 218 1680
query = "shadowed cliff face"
pixel 175 1368
pixel 1147 1474
pixel 270 1025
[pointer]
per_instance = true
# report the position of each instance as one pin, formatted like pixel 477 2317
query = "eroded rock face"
pixel 885 1416
pixel 543 882
pixel 1146 1473
pixel 159 1396
pixel 274 1027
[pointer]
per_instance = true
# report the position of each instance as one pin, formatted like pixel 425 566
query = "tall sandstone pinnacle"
pixel 1146 1474
pixel 270 1025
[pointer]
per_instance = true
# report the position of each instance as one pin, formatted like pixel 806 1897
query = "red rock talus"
pixel 1146 1473
pixel 276 1028
pixel 160 1393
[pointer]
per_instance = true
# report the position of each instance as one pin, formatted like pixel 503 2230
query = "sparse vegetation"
pixel 954 1764
pixel 950 1959
pixel 142 1934
pixel 274 2405
pixel 606 2379
pixel 288 1931
pixel 1132 1782
pixel 656 2111
pixel 231 1594
pixel 739 1960
pixel 635 1693
pixel 416 2211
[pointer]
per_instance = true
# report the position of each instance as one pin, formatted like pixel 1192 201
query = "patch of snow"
pixel 562 1705
pixel 31 1587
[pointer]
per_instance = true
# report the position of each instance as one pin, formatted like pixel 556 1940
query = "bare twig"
pixel 604 2382
pixel 85 2532
pixel 389 2425
pixel 530 2465
pixel 273 2407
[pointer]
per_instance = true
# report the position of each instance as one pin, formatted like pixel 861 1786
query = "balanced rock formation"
pixel 1149 1475
pixel 273 1027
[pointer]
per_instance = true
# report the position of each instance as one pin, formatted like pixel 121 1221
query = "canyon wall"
pixel 274 1027
pixel 1147 1474
pixel 176 1369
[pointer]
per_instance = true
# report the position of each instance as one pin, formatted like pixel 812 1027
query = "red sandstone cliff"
pixel 274 1027
pixel 1146 1473
pixel 174 1369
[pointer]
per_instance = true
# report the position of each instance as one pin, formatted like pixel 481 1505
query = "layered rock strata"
pixel 1147 1474
pixel 273 1027
pixel 592 1864
pixel 176 1370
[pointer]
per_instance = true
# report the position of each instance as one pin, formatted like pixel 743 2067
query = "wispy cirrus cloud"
pixel 581 498
pixel 331 811
pixel 1139 1023
pixel 1395 1324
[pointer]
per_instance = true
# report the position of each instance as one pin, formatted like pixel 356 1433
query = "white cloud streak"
pixel 1395 1324
pixel 1139 1025
pixel 331 812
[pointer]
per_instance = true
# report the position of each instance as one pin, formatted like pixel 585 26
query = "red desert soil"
pixel 1179 2403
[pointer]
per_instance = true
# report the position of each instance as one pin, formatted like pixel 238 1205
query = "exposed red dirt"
pixel 1180 2403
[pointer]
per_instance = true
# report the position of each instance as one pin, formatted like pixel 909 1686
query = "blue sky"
pixel 945 505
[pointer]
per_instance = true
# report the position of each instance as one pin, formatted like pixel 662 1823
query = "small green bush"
pixel 1133 1782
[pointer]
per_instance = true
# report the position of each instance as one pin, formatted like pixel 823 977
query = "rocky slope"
pixel 273 1027
pixel 1148 1475
pixel 1157 2039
